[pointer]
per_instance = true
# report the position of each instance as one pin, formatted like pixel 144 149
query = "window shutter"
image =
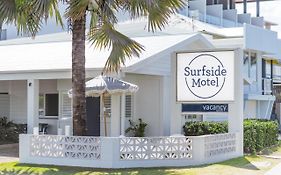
pixel 107 105
pixel 129 106
pixel 66 106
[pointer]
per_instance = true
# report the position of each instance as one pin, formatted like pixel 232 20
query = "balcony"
pixel 267 86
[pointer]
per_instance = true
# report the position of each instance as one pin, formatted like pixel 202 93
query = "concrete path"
pixel 9 153
pixel 275 170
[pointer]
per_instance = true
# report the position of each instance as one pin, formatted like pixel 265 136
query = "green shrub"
pixel 137 130
pixel 9 131
pixel 204 128
pixel 259 134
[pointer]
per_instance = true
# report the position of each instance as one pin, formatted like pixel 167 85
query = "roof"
pixel 56 55
pixel 177 25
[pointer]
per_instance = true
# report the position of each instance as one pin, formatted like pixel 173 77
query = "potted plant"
pixel 137 130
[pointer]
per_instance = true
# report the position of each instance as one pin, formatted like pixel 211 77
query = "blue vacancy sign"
pixel 205 76
pixel 204 107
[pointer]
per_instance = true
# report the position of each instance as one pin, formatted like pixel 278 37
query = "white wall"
pixel 250 109
pixel 18 101
pixel 266 42
pixel 48 86
pixel 147 102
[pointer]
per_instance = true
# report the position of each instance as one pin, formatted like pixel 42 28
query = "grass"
pixel 240 166
pixel 247 165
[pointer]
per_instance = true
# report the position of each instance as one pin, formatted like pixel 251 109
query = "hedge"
pixel 204 128
pixel 258 134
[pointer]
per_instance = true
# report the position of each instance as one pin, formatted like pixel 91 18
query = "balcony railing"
pixel 267 86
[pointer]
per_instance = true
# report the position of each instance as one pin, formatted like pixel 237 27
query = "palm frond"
pixel 94 20
pixel 28 23
pixel 157 11
pixel 46 9
pixel 76 9
pixel 107 10
pixel 121 46
pixel 8 10
pixel 27 20
pixel 29 14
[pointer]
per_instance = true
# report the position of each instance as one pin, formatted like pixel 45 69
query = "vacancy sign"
pixel 205 76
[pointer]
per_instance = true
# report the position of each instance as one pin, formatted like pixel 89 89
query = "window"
pixel 49 105
pixel 268 69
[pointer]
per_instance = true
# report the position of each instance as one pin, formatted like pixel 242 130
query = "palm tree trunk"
pixel 78 76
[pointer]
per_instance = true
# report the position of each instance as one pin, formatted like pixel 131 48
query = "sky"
pixel 270 10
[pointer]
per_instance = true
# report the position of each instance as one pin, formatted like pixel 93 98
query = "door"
pixel 93 116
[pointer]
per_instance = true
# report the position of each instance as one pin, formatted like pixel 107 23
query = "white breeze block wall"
pixel 127 152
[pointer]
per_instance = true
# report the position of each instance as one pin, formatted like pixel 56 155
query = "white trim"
pixel 66 74
pixel 259 97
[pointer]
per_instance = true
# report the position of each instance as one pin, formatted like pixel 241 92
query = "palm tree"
pixel 29 15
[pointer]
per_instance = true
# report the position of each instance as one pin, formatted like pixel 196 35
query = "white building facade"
pixel 35 76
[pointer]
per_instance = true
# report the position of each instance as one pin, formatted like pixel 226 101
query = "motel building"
pixel 208 64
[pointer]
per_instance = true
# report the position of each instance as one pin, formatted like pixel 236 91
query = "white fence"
pixel 127 152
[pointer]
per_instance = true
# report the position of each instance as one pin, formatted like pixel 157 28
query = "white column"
pixel 165 103
pixel 235 115
pixel 175 117
pixel 32 104
pixel 123 113
pixel 259 73
pixel 115 116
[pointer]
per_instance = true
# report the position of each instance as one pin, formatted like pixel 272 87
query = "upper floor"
pixel 221 13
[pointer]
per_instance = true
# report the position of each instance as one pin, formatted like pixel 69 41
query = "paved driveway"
pixel 9 153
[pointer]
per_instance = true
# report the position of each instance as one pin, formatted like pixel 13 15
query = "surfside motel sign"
pixel 205 77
